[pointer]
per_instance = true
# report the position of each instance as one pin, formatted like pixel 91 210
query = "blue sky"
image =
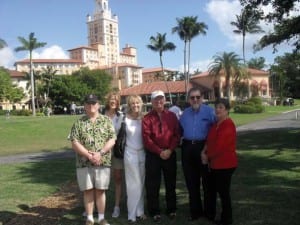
pixel 62 25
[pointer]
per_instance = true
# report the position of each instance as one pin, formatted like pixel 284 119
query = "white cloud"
pixel 52 52
pixel 201 65
pixel 223 12
pixel 7 58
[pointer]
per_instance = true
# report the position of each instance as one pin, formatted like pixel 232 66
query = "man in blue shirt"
pixel 195 122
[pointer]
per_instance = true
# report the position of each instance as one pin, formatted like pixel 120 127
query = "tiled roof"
pixel 83 47
pixel 157 69
pixel 147 88
pixel 119 65
pixel 250 70
pixel 26 61
pixel 16 74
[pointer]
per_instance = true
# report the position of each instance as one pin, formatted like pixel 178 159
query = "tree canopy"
pixel 65 89
pixel 8 91
pixel 286 25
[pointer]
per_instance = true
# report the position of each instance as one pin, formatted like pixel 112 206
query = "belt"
pixel 192 142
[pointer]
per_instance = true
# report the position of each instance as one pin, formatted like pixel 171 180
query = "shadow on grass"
pixel 265 187
pixel 266 184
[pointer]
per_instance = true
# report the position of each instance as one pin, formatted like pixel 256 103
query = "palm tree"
pixel 30 45
pixel 187 28
pixel 245 23
pixel 229 64
pixel 2 43
pixel 159 44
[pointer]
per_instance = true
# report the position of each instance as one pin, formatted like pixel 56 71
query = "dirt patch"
pixel 50 210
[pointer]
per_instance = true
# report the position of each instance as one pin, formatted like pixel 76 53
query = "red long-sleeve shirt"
pixel 221 145
pixel 160 133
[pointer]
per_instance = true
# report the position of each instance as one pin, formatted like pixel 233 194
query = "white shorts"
pixel 93 177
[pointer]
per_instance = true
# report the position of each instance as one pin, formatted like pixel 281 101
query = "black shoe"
pixel 157 219
pixel 218 222
pixel 193 218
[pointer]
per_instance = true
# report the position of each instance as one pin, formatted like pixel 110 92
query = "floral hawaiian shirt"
pixel 93 136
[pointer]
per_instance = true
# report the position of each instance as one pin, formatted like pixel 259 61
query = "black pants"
pixel 195 173
pixel 155 168
pixel 219 183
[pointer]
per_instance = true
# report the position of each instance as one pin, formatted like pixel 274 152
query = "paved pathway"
pixel 289 119
pixel 284 120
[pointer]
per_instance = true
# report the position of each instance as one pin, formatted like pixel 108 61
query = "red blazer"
pixel 221 145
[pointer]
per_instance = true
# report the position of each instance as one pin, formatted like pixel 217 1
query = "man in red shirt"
pixel 161 136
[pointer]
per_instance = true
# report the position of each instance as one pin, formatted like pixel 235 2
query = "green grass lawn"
pixel 39 134
pixel 265 187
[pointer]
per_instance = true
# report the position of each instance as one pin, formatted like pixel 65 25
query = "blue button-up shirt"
pixel 196 123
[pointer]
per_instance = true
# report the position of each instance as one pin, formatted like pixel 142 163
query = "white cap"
pixel 155 94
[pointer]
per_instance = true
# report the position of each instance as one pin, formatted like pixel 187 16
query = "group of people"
pixel 207 138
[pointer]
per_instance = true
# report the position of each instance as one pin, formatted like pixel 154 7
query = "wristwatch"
pixel 102 153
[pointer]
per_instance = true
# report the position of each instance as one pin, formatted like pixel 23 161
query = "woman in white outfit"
pixel 134 159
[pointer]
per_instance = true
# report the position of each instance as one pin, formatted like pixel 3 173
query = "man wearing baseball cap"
pixel 92 136
pixel 161 135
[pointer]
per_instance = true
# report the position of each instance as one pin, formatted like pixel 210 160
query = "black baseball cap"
pixel 91 98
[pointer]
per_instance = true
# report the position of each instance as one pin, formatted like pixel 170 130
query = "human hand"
pixel 204 158
pixel 95 158
pixel 165 154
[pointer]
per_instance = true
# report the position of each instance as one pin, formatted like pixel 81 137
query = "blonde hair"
pixel 114 95
pixel 132 98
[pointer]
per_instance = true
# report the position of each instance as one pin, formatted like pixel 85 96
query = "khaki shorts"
pixel 93 177
pixel 117 163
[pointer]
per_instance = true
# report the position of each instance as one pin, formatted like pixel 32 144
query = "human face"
pixel 135 106
pixel 91 109
pixel 195 99
pixel 113 103
pixel 221 112
pixel 158 103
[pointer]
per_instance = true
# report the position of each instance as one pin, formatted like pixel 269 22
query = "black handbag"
pixel 120 143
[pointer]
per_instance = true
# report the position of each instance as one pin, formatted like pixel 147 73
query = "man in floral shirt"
pixel 92 137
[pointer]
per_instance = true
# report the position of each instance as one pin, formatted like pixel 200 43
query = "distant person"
pixel 134 159
pixel 73 108
pixel 220 155
pixel 176 109
pixel 195 122
pixel 161 135
pixel 112 110
pixel 65 110
pixel 92 137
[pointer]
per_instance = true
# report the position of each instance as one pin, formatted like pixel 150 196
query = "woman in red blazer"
pixel 220 155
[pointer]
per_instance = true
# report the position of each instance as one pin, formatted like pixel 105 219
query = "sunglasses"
pixel 195 97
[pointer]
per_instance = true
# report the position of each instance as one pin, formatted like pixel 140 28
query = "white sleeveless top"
pixel 134 139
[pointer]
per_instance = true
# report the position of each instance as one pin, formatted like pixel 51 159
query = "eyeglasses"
pixel 195 97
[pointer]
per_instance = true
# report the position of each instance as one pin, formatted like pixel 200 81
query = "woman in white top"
pixel 134 159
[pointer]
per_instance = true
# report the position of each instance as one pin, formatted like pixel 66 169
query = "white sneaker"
pixel 116 212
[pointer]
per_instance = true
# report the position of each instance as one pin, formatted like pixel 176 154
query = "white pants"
pixel 134 166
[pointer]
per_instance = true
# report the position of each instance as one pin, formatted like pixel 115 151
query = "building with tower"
pixel 101 52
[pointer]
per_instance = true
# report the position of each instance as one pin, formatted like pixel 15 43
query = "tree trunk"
pixel 32 86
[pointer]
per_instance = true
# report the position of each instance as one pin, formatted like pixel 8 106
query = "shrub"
pixel 23 112
pixel 253 105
